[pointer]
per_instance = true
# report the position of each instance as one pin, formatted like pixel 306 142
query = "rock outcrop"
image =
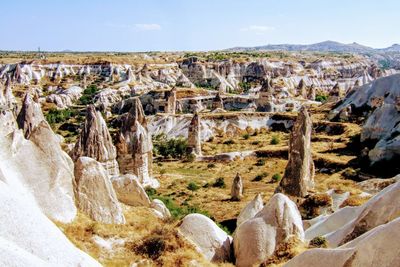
pixel 217 102
pixel 207 237
pixel 130 191
pixel 237 188
pixel 161 210
pixel 377 247
pixel 256 239
pixel 94 192
pixel 171 101
pixel 134 146
pixel 250 210
pixel 64 98
pixel 95 142
pixel 350 222
pixel 30 115
pixel 194 136
pixel 378 100
pixel 299 173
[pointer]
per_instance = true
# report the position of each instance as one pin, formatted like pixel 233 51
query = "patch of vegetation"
pixel 88 95
pixel 260 162
pixel 219 182
pixel 210 165
pixel 276 177
pixel 319 242
pixel 229 142
pixel 255 143
pixel 321 98
pixel 245 86
pixel 192 186
pixel 170 148
pixel 152 247
pixel 246 136
pixel 260 176
pixel 275 140
pixel 54 115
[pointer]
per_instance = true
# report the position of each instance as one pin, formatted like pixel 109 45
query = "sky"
pixel 193 25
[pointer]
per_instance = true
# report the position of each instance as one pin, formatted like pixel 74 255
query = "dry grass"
pixel 141 224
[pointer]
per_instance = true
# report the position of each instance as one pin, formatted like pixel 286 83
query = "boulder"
pixel 130 191
pixel 256 239
pixel 299 173
pixel 237 188
pixel 207 237
pixel 250 210
pixel 95 142
pixel 161 210
pixel 94 193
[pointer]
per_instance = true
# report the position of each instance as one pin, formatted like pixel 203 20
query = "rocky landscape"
pixel 230 158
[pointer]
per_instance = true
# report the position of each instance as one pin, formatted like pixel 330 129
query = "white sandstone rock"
pixel 250 210
pixel 130 191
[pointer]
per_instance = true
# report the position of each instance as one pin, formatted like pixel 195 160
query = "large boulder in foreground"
pixel 299 173
pixel 27 236
pixel 130 191
pixel 378 247
pixel 94 193
pixel 250 210
pixel 208 238
pixel 256 239
pixel 95 142
pixel 351 222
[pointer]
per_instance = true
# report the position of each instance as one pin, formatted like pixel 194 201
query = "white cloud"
pixel 148 27
pixel 258 29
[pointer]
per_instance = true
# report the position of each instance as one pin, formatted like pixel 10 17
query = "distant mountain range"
pixel 327 46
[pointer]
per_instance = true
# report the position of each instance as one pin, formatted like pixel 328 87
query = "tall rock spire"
pixel 299 173
pixel 194 136
pixel 95 142
pixel 30 115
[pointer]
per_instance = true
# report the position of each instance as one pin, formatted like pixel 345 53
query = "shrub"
pixel 276 177
pixel 319 242
pixel 275 140
pixel 190 157
pixel 210 165
pixel 175 147
pixel 229 142
pixel 246 136
pixel 151 192
pixel 260 176
pixel 219 182
pixel 151 247
pixel 59 115
pixel 192 186
pixel 321 98
pixel 88 95
pixel 260 162
pixel 255 143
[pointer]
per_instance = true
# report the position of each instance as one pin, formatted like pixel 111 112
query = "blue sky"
pixel 123 25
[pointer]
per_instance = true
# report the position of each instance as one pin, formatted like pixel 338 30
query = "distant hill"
pixel 327 46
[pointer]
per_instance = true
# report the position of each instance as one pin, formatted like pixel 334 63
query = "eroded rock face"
pixel 94 192
pixel 256 239
pixel 30 115
pixel 299 173
pixel 130 191
pixel 171 101
pixel 208 238
pixel 217 103
pixel 95 142
pixel 64 98
pixel 135 148
pixel 237 188
pixel 194 136
pixel 377 247
pixel 250 210
pixel 161 210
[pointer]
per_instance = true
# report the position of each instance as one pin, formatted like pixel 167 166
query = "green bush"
pixel 219 182
pixel 229 142
pixel 260 162
pixel 190 157
pixel 245 86
pixel 246 136
pixel 175 147
pixel 319 242
pixel 59 115
pixel 255 143
pixel 321 98
pixel 88 95
pixel 210 165
pixel 192 186
pixel 276 177
pixel 275 140
pixel 260 176
pixel 152 247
